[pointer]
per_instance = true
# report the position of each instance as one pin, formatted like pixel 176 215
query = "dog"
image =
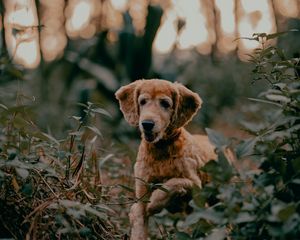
pixel 168 154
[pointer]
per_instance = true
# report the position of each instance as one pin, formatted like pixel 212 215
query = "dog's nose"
pixel 148 125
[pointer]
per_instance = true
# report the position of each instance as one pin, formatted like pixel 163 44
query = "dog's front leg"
pixel 138 222
pixel 161 197
pixel 137 215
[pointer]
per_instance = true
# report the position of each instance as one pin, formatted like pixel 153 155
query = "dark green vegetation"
pixel 52 188
pixel 63 178
pixel 263 203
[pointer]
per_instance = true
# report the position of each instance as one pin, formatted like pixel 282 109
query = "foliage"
pixel 52 188
pixel 264 202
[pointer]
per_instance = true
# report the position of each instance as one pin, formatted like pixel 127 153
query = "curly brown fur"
pixel 168 154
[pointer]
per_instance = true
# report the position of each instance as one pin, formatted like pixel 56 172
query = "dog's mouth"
pixel 150 136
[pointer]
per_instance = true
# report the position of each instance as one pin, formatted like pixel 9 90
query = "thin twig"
pixel 37 171
pixel 38 208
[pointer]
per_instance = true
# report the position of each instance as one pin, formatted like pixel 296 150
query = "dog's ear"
pixel 127 96
pixel 186 106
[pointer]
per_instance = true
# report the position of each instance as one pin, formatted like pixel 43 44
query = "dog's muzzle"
pixel 147 127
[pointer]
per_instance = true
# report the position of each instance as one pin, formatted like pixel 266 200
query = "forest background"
pixel 66 153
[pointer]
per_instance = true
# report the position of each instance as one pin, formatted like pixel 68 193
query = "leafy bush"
pixel 262 202
pixel 52 188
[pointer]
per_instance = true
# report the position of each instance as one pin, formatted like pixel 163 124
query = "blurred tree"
pixel 135 51
pixel 94 68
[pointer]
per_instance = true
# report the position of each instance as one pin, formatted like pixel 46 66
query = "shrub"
pixel 264 202
pixel 52 188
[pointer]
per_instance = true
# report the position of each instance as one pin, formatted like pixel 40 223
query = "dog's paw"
pixel 154 208
pixel 158 201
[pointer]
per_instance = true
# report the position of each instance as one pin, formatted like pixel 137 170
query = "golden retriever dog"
pixel 168 154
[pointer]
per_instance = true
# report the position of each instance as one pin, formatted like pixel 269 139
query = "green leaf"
pixel 217 234
pixel 51 138
pixel 246 148
pixel 278 98
pixel 95 212
pixel 95 130
pixel 243 217
pixel 3 106
pixel 286 212
pixel 68 203
pixel 265 101
pixel 82 105
pixel 210 167
pixel 253 128
pixel 76 118
pixel 296 181
pixel 217 138
pixel 75 212
pixel 27 189
pixel 292 224
pixel 90 104
pixel 192 219
pixel 183 236
pixel 104 208
pixel 208 214
pixel 101 111
pixel 200 196
pixel 2 175
pixel 102 161
pixel 85 231
pixel 226 168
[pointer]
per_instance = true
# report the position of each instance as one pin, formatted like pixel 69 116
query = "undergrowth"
pixel 53 188
pixel 262 202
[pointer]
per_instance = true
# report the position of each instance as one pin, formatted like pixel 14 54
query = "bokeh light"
pixel 53 37
pixel 226 9
pixel 226 27
pixel 255 16
pixel 206 26
pixel 21 32
pixel 120 5
pixel 166 36
pixel 195 31
pixel 79 14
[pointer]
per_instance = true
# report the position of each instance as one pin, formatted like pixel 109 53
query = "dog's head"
pixel 157 107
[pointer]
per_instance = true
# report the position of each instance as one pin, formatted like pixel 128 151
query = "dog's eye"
pixel 164 103
pixel 143 101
